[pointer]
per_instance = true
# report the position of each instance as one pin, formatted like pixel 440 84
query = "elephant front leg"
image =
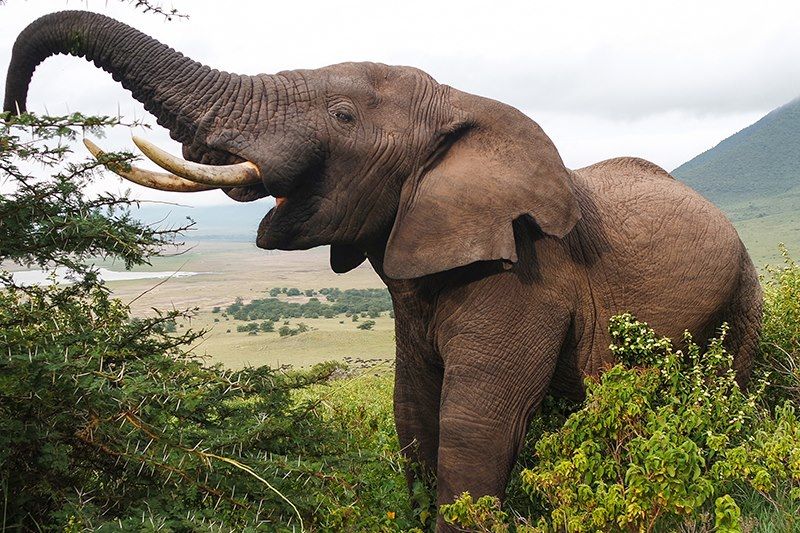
pixel 487 399
pixel 417 394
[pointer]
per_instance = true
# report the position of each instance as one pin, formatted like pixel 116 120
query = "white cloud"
pixel 662 80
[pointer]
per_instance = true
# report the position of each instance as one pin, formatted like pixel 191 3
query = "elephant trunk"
pixel 174 88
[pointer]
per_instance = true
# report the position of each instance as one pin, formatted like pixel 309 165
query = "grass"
pixel 231 270
pixel 763 222
pixel 241 269
pixel 329 339
pixel 763 516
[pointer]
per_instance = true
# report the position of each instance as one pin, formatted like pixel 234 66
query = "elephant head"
pixel 366 157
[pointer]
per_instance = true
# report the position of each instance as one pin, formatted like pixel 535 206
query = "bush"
pixel 368 324
pixel 370 302
pixel 663 438
pixel 780 338
pixel 367 488
pixel 108 423
pixel 286 331
pixel 250 327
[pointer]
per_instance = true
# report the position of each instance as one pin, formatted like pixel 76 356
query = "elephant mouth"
pixel 264 238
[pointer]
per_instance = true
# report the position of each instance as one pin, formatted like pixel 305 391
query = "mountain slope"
pixel 754 176
pixel 232 222
pixel 761 160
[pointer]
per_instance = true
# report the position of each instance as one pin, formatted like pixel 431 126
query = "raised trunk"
pixel 174 88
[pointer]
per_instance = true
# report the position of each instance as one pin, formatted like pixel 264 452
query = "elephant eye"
pixel 342 116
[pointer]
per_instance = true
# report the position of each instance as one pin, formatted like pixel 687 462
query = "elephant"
pixel 504 266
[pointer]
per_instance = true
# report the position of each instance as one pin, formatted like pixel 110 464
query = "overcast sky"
pixel 660 80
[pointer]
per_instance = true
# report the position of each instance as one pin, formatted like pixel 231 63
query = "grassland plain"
pixel 231 270
pixel 763 222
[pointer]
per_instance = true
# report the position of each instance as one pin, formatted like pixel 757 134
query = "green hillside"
pixel 754 176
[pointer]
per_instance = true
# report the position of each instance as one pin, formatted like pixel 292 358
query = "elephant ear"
pixel 345 258
pixel 495 164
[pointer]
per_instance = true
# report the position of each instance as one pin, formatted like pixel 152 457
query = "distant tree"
pixel 309 292
pixel 366 325
pixel 274 292
pixel 293 292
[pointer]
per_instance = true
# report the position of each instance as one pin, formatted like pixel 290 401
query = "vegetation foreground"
pixel 108 422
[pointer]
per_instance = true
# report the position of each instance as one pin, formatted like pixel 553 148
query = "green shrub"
pixel 108 423
pixel 664 438
pixel 370 302
pixel 484 515
pixel 780 338
pixel 367 490
pixel 367 324
pixel 286 331
pixel 247 328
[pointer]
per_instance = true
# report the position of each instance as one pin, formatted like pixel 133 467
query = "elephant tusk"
pixel 154 180
pixel 238 175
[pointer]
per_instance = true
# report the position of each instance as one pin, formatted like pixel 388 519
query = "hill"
pixel 754 176
pixel 232 222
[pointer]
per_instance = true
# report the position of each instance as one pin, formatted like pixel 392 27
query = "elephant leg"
pixel 487 400
pixel 417 392
pixel 744 319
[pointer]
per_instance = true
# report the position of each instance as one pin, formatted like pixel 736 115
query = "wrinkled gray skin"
pixel 504 266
